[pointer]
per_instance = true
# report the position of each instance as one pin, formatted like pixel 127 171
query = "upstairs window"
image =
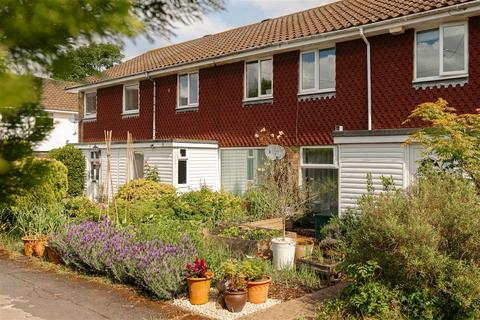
pixel 90 104
pixel 188 90
pixel 258 79
pixel 441 51
pixel 317 71
pixel 131 98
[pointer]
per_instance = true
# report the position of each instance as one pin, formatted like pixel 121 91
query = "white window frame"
pixel 135 111
pixel 180 158
pixel 317 72
pixel 188 105
pixel 334 165
pixel 90 115
pixel 442 74
pixel 260 96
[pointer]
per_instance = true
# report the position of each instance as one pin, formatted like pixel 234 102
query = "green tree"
pixel 74 160
pixel 451 141
pixel 34 34
pixel 78 63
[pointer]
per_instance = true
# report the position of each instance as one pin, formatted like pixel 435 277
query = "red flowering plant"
pixel 198 269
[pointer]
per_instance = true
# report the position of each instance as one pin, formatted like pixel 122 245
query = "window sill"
pixel 314 95
pixel 439 82
pixel 192 108
pixel 262 100
pixel 90 118
pixel 130 114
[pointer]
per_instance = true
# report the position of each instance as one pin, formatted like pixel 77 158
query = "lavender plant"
pixel 104 248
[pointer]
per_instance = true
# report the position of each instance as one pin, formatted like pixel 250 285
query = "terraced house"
pixel 339 80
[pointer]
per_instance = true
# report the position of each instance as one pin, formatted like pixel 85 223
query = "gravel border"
pixel 214 310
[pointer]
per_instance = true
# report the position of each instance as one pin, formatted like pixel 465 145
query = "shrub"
pixel 37 221
pixel 151 173
pixel 104 248
pixel 144 190
pixel 50 185
pixel 81 208
pixel 74 160
pixel 210 206
pixel 426 243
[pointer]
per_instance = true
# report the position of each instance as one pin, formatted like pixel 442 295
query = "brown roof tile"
pixel 330 17
pixel 54 96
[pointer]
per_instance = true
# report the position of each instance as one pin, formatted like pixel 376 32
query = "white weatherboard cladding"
pixel 162 159
pixel 234 170
pixel 391 160
pixel 202 168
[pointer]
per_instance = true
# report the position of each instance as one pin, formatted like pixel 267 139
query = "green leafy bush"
pixel 250 234
pixel 37 221
pixel 144 190
pixel 426 243
pixel 50 186
pixel 210 206
pixel 151 173
pixel 74 160
pixel 81 208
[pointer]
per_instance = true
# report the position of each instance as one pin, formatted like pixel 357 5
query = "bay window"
pixel 441 51
pixel 258 79
pixel 188 90
pixel 317 71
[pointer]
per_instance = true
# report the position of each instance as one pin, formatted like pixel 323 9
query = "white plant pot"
pixel 283 253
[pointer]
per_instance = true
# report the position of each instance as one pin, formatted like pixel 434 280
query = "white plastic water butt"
pixel 283 253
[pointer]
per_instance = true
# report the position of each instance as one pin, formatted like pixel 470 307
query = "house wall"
pixel 222 115
pixel 65 131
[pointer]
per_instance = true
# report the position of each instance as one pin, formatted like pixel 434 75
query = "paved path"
pixel 30 293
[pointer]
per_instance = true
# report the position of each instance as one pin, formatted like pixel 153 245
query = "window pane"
pixel 327 69
pixel 139 163
pixel 252 79
pixel 193 88
pixel 183 90
pixel 323 183
pixel 308 71
pixel 428 53
pixel 318 156
pixel 131 98
pixel 266 77
pixel 182 171
pixel 91 103
pixel 454 48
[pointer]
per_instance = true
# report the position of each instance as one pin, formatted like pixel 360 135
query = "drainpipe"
pixel 369 79
pixel 154 120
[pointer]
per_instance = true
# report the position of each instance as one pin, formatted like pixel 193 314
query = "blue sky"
pixel 237 13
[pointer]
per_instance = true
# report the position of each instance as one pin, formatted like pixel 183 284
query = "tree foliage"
pixel 452 141
pixel 78 63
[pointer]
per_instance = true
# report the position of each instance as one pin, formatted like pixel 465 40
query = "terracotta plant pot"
pixel 53 256
pixel 39 248
pixel 258 290
pixel 198 289
pixel 304 248
pixel 28 244
pixel 235 300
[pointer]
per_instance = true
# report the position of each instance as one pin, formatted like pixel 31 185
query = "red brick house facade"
pixel 224 117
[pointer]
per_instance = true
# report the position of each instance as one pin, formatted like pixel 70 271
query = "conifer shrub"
pixel 74 160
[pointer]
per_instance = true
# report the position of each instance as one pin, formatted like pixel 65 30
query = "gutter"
pixel 369 78
pixel 471 8
pixel 154 106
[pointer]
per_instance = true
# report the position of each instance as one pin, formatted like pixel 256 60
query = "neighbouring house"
pixel 63 108
pixel 338 80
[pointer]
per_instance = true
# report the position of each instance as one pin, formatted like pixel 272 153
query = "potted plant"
pixel 235 294
pixel 304 248
pixel 258 281
pixel 198 281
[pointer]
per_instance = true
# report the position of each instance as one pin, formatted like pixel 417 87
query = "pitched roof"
pixel 54 96
pixel 329 17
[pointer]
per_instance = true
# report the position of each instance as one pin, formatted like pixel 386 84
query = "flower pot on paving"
pixel 198 289
pixel 258 290
pixel 235 300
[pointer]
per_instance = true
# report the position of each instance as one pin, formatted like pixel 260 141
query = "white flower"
pixel 280 133
pixel 278 137
pixel 256 135
pixel 263 130
pixel 272 135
